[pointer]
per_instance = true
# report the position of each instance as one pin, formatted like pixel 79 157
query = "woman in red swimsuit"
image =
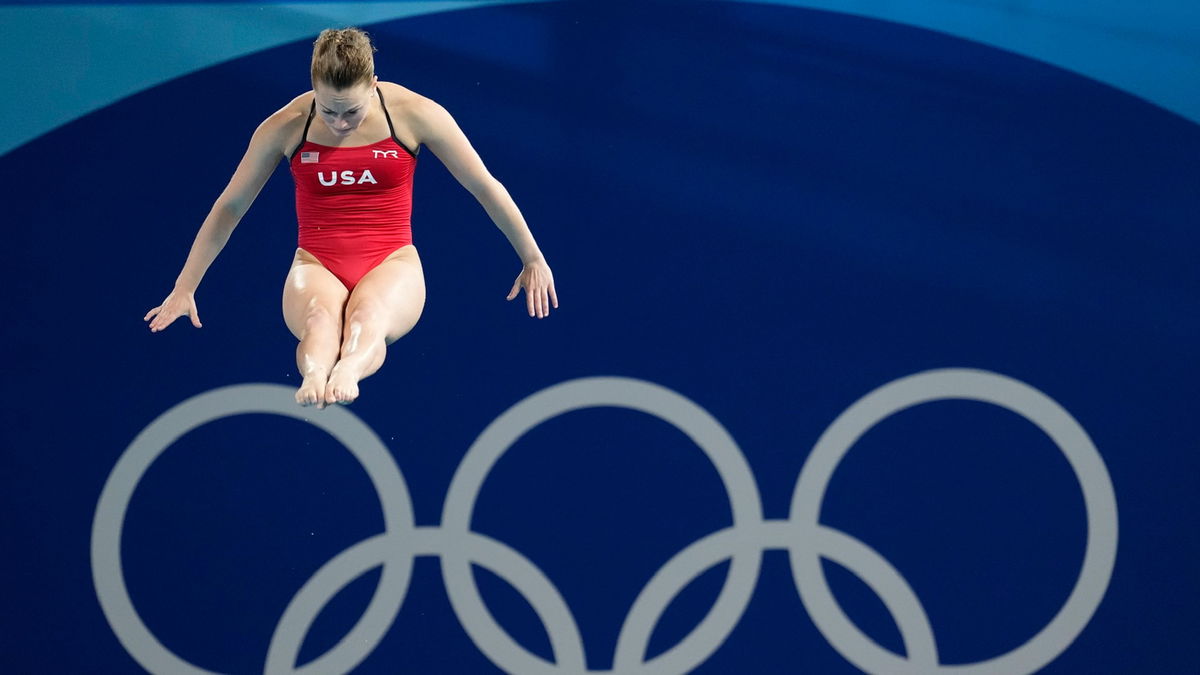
pixel 355 285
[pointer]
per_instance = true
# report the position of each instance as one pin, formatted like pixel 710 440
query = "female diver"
pixel 355 284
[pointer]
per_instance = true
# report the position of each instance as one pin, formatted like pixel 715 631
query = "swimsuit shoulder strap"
pixel 304 137
pixel 391 128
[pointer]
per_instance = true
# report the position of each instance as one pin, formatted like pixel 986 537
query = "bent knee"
pixel 370 313
pixel 320 318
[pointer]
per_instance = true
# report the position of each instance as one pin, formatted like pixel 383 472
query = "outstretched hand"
pixel 176 304
pixel 538 282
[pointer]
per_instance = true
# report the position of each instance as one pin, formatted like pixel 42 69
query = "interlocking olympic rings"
pixel 458 547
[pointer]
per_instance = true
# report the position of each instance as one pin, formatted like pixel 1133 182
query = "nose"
pixel 342 124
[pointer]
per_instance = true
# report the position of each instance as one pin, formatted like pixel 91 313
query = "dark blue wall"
pixel 770 211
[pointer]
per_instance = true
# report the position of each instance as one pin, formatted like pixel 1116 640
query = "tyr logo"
pixel 347 177
pixel 394 154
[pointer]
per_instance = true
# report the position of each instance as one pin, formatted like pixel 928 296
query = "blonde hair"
pixel 343 58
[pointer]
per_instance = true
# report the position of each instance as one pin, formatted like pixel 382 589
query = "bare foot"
pixel 342 387
pixel 312 390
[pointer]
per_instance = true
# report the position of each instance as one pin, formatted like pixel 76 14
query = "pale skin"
pixel 343 335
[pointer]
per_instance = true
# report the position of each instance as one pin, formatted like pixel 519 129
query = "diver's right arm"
pixel 267 147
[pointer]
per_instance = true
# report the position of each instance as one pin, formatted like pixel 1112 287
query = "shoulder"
pixel 399 98
pixel 283 126
pixel 417 110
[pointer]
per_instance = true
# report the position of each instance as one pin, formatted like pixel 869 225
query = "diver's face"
pixel 343 110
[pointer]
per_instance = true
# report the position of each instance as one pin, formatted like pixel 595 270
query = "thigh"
pixel 395 289
pixel 309 285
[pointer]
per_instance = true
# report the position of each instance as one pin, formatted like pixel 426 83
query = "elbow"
pixel 224 218
pixel 229 210
pixel 487 190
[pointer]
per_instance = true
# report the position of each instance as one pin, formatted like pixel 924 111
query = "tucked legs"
pixel 344 335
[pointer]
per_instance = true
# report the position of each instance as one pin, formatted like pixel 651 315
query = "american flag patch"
pixel 309 157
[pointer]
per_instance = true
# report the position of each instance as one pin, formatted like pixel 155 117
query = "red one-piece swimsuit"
pixel 353 204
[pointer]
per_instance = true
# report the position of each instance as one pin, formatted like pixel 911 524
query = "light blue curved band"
pixel 102 53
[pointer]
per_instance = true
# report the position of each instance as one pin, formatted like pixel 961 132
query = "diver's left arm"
pixel 438 130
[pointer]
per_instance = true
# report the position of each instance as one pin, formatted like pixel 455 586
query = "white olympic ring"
pixel 802 535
